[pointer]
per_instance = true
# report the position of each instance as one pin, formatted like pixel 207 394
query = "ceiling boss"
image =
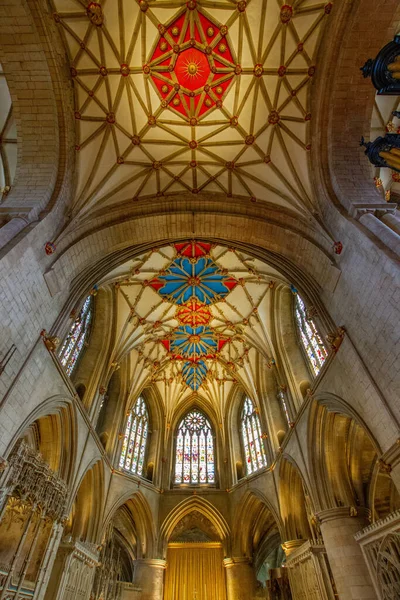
pixel 192 64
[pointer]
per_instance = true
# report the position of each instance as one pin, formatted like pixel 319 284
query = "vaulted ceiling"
pixel 196 318
pixel 202 96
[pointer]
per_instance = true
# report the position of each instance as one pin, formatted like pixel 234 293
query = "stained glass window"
pixel 282 400
pixel 310 337
pixel 195 462
pixel 135 439
pixel 78 334
pixel 253 444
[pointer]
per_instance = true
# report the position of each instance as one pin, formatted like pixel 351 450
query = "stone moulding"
pixel 380 527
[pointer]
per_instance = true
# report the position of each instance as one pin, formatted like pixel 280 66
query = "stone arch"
pixel 142 519
pixel 86 505
pixel 293 502
pixel 44 159
pixel 254 518
pixel 52 427
pixel 187 506
pixel 343 453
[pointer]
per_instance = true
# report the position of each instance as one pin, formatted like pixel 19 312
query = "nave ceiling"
pixel 196 319
pixel 174 97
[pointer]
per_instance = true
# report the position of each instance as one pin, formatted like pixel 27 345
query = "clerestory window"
pixel 310 338
pixel 77 336
pixel 135 440
pixel 253 443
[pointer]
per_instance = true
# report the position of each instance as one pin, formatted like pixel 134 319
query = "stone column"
pixel 149 577
pixel 392 221
pixel 240 579
pixel 389 237
pixel 349 569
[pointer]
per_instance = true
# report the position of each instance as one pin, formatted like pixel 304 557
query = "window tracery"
pixel 310 338
pixel 195 458
pixel 253 444
pixel 78 334
pixel 135 439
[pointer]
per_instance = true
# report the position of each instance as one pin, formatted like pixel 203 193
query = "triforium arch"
pixel 136 523
pixel 295 501
pixel 336 461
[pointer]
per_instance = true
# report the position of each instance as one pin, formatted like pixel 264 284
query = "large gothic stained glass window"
pixel 311 340
pixel 135 439
pixel 78 334
pixel 253 444
pixel 195 461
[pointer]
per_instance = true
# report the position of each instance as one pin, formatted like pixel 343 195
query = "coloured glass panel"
pixel 282 400
pixel 194 450
pixel 253 444
pixel 311 340
pixel 77 336
pixel 135 439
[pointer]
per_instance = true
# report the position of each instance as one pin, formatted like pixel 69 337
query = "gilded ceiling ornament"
pixel 219 90
pixel 286 13
pixel 222 48
pixel 110 118
pixel 135 140
pixel 163 46
pixel 73 72
pixel 50 248
pixel 175 31
pixel 95 14
pixel 282 71
pixel 241 5
pixel 125 70
pixel 103 71
pixel 258 70
pixel 273 117
pixel 210 31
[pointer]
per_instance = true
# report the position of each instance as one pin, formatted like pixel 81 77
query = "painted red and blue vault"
pixel 193 282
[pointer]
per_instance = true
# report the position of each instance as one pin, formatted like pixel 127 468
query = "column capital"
pixel 359 209
pixel 235 561
pixel 157 563
pixel 341 512
pixel 292 545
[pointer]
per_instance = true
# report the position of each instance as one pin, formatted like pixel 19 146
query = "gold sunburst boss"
pixel 192 69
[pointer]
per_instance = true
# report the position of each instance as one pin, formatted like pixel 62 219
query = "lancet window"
pixel 310 338
pixel 195 457
pixel 77 336
pixel 283 402
pixel 253 443
pixel 135 439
